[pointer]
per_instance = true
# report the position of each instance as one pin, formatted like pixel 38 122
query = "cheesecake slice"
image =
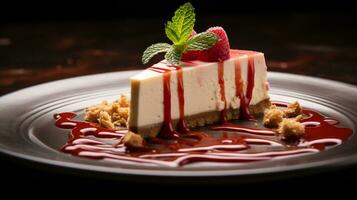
pixel 168 98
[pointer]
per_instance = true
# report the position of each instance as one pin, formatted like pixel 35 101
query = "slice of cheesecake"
pixel 196 93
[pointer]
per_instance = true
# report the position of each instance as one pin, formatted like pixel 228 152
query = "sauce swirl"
pixel 229 142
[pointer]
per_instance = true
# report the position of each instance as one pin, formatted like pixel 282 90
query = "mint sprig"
pixel 178 30
pixel 181 25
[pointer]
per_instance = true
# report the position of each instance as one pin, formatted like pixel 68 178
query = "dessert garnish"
pixel 272 117
pixel 293 110
pixel 290 130
pixel 109 115
pixel 185 40
pixel 220 51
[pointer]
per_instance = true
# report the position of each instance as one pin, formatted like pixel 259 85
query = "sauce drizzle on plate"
pixel 226 142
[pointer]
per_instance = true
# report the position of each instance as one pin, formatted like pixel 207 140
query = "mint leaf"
pixel 171 33
pixel 153 50
pixel 181 25
pixel 173 56
pixel 201 41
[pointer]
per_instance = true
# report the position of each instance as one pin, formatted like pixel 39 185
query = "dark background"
pixel 42 41
pixel 114 9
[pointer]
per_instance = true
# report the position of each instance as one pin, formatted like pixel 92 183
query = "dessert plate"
pixel 27 129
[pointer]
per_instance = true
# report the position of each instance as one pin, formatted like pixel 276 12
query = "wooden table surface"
pixel 318 45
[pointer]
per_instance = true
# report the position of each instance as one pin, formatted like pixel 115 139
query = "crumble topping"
pixel 294 109
pixel 290 129
pixel 272 117
pixel 133 139
pixel 286 121
pixel 105 120
pixel 109 115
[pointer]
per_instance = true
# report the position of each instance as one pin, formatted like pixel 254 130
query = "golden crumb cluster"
pixel 290 129
pixel 293 110
pixel 133 139
pixel 285 120
pixel 272 117
pixel 109 115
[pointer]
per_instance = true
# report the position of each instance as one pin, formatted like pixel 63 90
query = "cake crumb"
pixel 290 130
pixel 120 114
pixel 286 122
pixel 105 120
pixel 133 139
pixel 124 101
pixel 272 117
pixel 92 112
pixel 294 109
pixel 109 115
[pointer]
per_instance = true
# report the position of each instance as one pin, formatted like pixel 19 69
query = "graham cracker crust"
pixel 201 119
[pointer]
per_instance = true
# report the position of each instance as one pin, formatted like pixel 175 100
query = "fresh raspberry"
pixel 190 55
pixel 220 51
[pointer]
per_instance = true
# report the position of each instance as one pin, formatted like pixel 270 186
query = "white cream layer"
pixel 201 88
